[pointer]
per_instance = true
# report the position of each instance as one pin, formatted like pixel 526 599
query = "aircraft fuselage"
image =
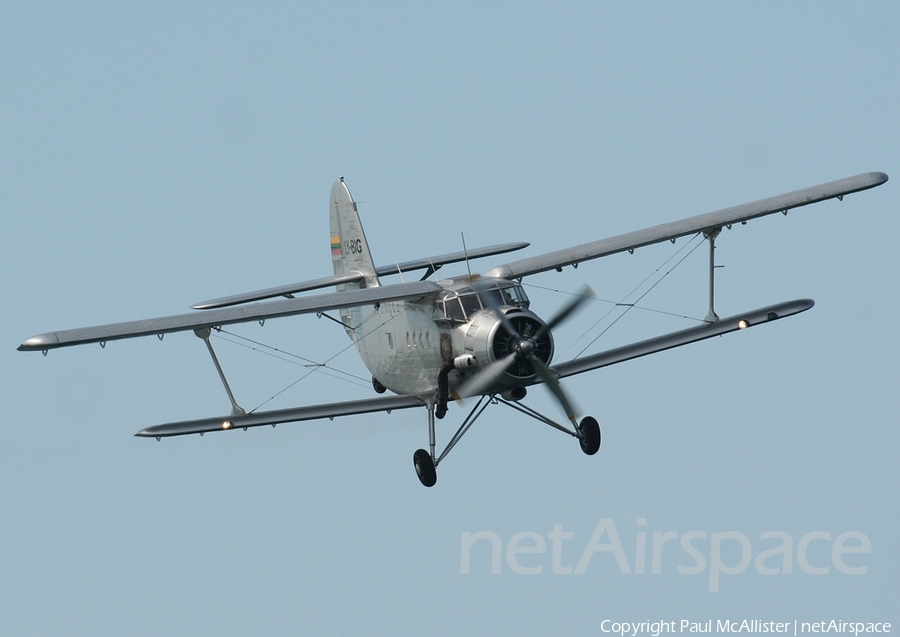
pixel 405 344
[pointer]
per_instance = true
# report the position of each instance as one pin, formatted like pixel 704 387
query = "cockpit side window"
pixel 518 296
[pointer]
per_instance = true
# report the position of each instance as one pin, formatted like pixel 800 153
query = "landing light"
pixel 227 424
pixel 743 324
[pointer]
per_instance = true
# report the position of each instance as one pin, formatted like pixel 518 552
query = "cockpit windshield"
pixel 461 304
pixel 470 303
pixel 490 298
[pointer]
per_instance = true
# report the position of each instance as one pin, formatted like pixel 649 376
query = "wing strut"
pixel 236 410
pixel 711 235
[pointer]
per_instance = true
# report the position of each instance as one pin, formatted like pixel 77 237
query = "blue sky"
pixel 155 156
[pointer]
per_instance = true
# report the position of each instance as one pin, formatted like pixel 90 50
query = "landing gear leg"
pixel 587 431
pixel 589 435
pixel 443 394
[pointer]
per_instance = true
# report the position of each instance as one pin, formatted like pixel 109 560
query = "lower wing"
pixel 682 337
pixel 294 414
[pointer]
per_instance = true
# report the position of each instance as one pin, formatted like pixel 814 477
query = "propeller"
pixel 525 349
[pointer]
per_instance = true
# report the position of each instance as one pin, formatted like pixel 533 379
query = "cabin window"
pixel 390 338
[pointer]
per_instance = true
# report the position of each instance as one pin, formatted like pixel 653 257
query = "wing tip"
pixel 867 181
pixel 39 343
pixel 876 177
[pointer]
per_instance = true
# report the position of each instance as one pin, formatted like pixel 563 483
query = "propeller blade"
pixel 552 382
pixel 583 295
pixel 486 377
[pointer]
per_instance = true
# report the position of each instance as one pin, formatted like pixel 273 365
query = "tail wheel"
pixel 589 435
pixel 425 468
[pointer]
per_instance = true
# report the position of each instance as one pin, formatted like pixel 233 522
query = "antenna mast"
pixel 466 253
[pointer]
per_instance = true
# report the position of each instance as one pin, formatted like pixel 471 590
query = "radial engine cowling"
pixel 487 340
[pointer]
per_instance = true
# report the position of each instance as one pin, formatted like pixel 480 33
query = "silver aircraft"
pixel 429 342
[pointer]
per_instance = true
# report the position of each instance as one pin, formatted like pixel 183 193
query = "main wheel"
pixel 425 467
pixel 589 435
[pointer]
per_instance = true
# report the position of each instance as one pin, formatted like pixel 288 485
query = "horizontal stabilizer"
pixel 230 315
pixel 683 337
pixel 692 225
pixel 432 264
pixel 294 414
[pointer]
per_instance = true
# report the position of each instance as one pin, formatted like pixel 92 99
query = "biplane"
pixel 430 342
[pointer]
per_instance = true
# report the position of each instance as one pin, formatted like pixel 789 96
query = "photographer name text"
pixel 750 626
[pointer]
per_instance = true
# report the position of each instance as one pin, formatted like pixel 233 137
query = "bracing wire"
pixel 289 357
pixel 634 305
pixel 618 303
pixel 313 366
pixel 630 306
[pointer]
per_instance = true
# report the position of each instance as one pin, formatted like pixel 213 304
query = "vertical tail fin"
pixel 349 249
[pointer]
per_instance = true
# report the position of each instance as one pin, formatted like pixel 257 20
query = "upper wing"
pixel 226 316
pixel 432 264
pixel 281 290
pixel 682 337
pixel 700 223
pixel 293 414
